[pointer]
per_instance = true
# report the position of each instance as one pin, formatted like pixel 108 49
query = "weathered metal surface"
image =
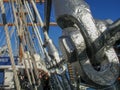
pixel 99 67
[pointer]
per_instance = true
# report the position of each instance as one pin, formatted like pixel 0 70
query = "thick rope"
pixel 26 67
pixel 17 83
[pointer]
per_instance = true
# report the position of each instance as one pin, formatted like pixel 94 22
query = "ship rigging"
pixel 29 59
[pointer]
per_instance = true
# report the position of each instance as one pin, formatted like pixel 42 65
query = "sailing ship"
pixel 29 59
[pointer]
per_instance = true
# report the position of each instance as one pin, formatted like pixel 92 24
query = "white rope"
pixel 17 83
pixel 26 67
pixel 35 8
pixel 35 28
pixel 37 31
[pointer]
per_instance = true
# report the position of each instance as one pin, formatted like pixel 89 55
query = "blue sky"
pixel 101 9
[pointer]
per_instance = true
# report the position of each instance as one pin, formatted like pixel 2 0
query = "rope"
pixel 26 68
pixel 37 13
pixel 31 47
pixel 32 57
pixel 34 27
pixel 40 42
pixel 17 83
